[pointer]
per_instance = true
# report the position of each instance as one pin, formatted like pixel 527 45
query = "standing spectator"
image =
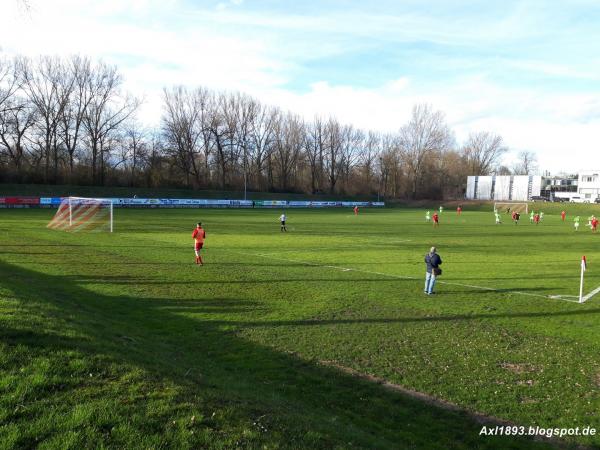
pixel 433 262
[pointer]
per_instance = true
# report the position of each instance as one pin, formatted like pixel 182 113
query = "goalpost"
pixel 83 214
pixel 519 207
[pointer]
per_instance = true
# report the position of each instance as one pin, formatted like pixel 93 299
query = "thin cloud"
pixel 525 70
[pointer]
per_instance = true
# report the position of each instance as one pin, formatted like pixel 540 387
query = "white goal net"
pixel 83 214
pixel 509 207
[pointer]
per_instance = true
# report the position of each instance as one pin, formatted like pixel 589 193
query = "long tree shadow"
pixel 286 401
pixel 444 318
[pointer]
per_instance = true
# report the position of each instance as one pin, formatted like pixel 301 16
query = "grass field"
pixel 121 341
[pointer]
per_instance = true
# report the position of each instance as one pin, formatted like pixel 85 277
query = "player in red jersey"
pixel 458 210
pixel 515 217
pixel 436 219
pixel 356 210
pixel 594 224
pixel 563 214
pixel 536 219
pixel 198 235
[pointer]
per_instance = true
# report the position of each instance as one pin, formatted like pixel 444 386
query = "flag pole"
pixel 583 267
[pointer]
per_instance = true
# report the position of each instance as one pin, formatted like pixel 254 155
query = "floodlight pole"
pixel 380 181
pixel 245 171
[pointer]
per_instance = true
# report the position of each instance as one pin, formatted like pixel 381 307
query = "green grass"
pixel 120 341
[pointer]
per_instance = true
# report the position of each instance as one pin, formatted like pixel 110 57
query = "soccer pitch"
pixel 121 340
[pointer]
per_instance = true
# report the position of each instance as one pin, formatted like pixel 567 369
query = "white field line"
pixel 310 249
pixel 403 277
pixel 590 295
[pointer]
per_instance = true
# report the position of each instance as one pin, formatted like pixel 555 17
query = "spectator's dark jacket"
pixel 432 260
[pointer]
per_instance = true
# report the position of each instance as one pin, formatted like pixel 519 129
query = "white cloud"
pixel 158 43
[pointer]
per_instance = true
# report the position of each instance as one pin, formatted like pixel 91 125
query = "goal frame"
pixel 512 203
pixel 107 201
pixel 84 214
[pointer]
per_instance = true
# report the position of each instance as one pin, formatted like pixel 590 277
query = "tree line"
pixel 70 121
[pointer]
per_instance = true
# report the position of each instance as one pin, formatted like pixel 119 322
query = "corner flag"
pixel 583 269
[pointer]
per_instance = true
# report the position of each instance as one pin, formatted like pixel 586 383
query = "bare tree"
pixel 154 160
pixel 134 148
pixel 262 136
pixel 48 87
pixel 219 126
pixel 502 170
pixel 482 152
pixel 526 164
pixel 204 101
pixel 244 111
pixel 73 114
pixel 288 147
pixel 351 149
pixel 425 133
pixel 332 158
pixel 9 82
pixel 182 129
pixel 315 149
pixel 368 158
pixel 104 114
pixel 60 117
pixel 390 168
pixel 15 121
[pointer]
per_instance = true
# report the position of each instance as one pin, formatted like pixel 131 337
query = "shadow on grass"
pixel 296 404
pixel 449 318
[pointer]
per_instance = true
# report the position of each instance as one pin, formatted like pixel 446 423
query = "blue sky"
pixel 527 70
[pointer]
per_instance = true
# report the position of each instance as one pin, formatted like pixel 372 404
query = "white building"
pixel 588 186
pixel 516 188
pixel 562 187
pixel 520 188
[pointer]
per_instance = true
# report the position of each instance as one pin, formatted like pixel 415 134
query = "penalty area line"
pixel 404 277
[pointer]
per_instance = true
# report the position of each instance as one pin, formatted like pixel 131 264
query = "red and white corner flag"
pixel 583 269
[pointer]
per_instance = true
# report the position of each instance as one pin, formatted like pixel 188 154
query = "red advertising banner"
pixel 2 201
pixel 22 200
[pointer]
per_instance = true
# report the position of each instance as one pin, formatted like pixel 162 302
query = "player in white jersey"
pixel 282 219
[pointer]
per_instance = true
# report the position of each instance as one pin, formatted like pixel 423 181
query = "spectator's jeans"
pixel 429 282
